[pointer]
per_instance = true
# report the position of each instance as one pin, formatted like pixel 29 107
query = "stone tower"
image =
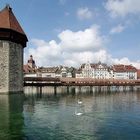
pixel 12 42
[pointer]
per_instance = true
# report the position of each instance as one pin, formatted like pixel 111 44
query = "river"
pixel 42 114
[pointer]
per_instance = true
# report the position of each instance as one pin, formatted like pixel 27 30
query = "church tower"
pixel 31 63
pixel 12 42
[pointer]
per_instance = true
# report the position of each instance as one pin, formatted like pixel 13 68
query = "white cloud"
pixel 122 7
pixel 126 61
pixel 77 58
pixel 84 13
pixel 73 49
pixel 45 52
pixel 89 39
pixel 117 29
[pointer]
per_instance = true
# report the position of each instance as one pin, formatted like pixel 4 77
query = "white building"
pixel 102 71
pixel 56 72
pixel 124 72
pixel 30 70
pixel 97 71
pixel 87 71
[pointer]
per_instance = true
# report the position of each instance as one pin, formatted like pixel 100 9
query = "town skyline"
pixel 62 32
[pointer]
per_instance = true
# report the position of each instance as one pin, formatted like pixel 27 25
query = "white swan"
pixel 78 113
pixel 80 102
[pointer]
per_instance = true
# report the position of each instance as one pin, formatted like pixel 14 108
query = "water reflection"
pixel 11 118
pixel 69 113
pixel 81 114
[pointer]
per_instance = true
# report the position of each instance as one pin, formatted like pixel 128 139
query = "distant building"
pixel 97 71
pixel 138 74
pixel 102 71
pixel 87 70
pixel 30 69
pixel 59 71
pixel 124 72
pixel 31 63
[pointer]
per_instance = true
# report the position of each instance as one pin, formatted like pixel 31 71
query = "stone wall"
pixel 4 67
pixel 11 67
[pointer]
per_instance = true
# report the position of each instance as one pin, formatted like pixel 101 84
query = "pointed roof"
pixel 10 28
pixel 9 21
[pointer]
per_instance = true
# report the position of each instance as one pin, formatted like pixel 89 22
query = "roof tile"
pixel 9 21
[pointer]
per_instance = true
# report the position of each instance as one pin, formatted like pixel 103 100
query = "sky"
pixel 72 32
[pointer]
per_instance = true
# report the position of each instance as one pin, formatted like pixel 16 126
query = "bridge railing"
pixel 82 81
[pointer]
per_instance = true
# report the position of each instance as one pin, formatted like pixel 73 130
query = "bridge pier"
pixel 39 92
pixel 99 88
pixel 91 89
pixel 68 90
pixel 131 88
pixel 124 88
pixel 116 88
pixel 80 89
pixel 55 90
pixel 73 90
pixel 39 89
pixel 108 88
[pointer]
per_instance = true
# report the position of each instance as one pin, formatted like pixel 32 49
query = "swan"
pixel 80 102
pixel 78 114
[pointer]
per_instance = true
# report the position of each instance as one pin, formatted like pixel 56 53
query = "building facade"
pixel 102 71
pixel 87 70
pixel 31 70
pixel 96 71
pixel 124 72
pixel 56 72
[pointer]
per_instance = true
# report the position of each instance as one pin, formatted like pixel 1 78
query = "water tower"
pixel 12 42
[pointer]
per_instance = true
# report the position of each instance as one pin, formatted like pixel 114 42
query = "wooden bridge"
pixel 44 81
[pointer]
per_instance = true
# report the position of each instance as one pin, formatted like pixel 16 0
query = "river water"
pixel 42 114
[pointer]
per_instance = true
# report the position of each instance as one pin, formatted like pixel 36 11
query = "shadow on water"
pixel 11 117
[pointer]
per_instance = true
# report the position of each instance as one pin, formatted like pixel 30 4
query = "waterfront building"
pixel 124 72
pixel 103 71
pixel 31 63
pixel 30 69
pixel 97 71
pixel 56 72
pixel 12 41
pixel 138 74
pixel 87 70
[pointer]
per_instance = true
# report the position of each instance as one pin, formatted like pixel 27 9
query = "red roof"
pixel 124 68
pixel 9 21
pixel 28 69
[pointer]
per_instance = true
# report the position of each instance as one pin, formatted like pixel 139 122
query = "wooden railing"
pixel 45 81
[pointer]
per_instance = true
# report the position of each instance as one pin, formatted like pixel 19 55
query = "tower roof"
pixel 10 25
pixel 9 21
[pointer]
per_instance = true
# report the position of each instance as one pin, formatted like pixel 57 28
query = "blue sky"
pixel 72 32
